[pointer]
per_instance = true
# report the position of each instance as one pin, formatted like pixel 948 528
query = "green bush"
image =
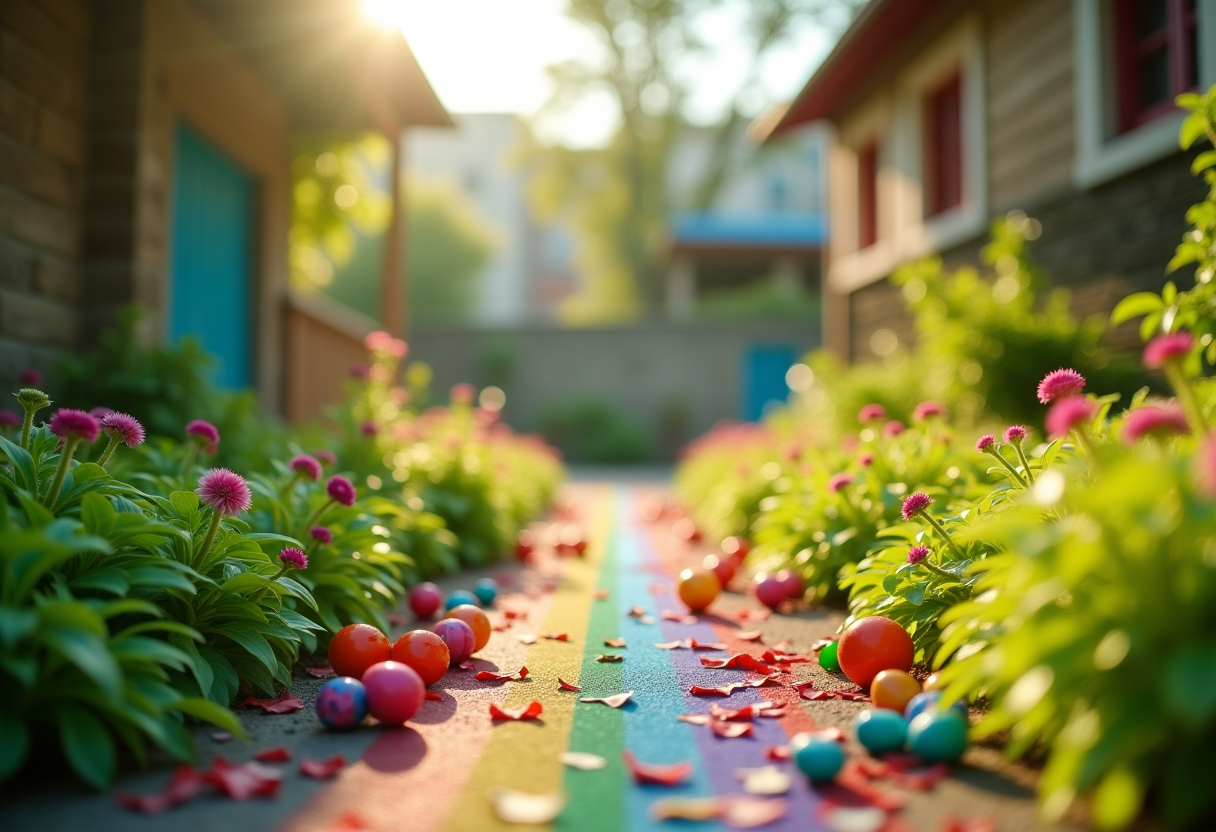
pixel 593 430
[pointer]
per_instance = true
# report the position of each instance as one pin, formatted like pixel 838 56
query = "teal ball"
pixel 929 701
pixel 880 730
pixel 486 591
pixel 817 758
pixel 460 596
pixel 938 736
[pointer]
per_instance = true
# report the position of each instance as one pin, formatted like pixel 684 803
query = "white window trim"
pixel 1100 155
pixel 903 231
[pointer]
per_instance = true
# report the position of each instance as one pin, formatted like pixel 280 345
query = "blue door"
pixel 210 291
pixel 764 377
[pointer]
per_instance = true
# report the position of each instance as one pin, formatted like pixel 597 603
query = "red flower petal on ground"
pixel 241 782
pixel 669 645
pixel 601 595
pixel 183 786
pixel 749 635
pixel 557 636
pixel 432 696
pixel 731 730
pixel 657 775
pixel 500 626
pixel 739 661
pixel 526 638
pixel 284 703
pixel 678 617
pixel 851 695
pixel 778 753
pixel 564 685
pixel 751 812
pixel 273 755
pixel 323 672
pixel 614 642
pixel 781 657
pixel 695 719
pixel 323 769
pixel 532 711
pixel 467 665
pixel 615 701
pixel 513 614
pixel 636 612
pixel 753 615
pixel 982 824
pixel 744 714
pixel 693 644
pixel 490 676
pixel 725 690
pixel 604 657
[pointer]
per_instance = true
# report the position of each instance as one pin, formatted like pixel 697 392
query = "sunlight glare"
pixel 387 14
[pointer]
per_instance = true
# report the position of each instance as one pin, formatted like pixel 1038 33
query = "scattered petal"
pixel 532 711
pixel 731 730
pixel 614 642
pixel 678 617
pixel 767 780
pixel 646 619
pixel 490 676
pixel 284 703
pixel 778 753
pixel 432 696
pixel 854 819
pixel 748 635
pixel 582 761
pixel 605 657
pixel 636 612
pixel 500 626
pixel 243 781
pixel 601 594
pixel 658 775
pixel 693 644
pixel 669 645
pixel 513 614
pixel 744 714
pixel 526 638
pixel 753 615
pixel 686 808
pixel 322 769
pixel 614 701
pixel 781 657
pixel 557 636
pixel 725 690
pixel 782 645
pixel 513 806
pixel 467 665
pixel 564 685
pixel 222 736
pixel 739 661
pixel 273 755
pixel 750 812
pixel 350 822
pixel 980 824
pixel 183 786
pixel 695 719
pixel 323 672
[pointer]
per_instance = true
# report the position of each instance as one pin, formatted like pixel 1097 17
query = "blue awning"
pixel 760 229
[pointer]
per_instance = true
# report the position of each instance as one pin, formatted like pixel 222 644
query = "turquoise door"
pixel 210 286
pixel 764 370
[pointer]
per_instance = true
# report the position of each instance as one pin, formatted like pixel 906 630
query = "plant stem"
pixel 1017 446
pixel 996 452
pixel 942 531
pixel 933 567
pixel 312 521
pixel 65 463
pixel 201 557
pixel 26 424
pixel 109 451
pixel 1186 396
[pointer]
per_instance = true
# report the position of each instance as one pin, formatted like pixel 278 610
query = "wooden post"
pixel 393 286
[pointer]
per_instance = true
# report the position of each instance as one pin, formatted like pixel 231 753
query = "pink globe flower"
pixel 29 377
pixel 226 492
pixel 9 419
pixel 362 372
pixel 866 460
pixel 893 428
pixel 383 342
pixel 340 490
pixel 985 443
pixel 839 481
pixel 1068 414
pixel 306 466
pixel 1205 462
pixel 127 428
pixel 462 393
pixel 206 433
pixel 1059 384
pixel 918 553
pixel 328 457
pixel 100 412
pixel 871 413
pixel 1154 421
pixel 321 534
pixel 1014 434
pixel 914 504
pixel 928 410
pixel 293 558
pixel 368 428
pixel 75 424
pixel 1168 349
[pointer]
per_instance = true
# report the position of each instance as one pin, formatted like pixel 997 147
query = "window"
pixel 867 195
pixel 944 148
pixel 1156 57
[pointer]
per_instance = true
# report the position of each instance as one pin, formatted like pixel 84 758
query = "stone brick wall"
pixel 43 116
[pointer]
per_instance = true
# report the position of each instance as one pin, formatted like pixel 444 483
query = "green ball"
pixel 817 758
pixel 938 736
pixel 880 730
pixel 827 658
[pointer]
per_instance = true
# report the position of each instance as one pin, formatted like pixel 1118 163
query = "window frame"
pixel 1174 37
pixel 867 193
pixel 944 146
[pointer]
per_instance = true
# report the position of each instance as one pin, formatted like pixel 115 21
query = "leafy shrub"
pixel 593 430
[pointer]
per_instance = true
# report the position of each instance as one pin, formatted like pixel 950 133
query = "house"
pixel 947 113
pixel 145 158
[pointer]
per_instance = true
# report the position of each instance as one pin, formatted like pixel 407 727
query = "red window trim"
pixel 867 194
pixel 1175 37
pixel 943 156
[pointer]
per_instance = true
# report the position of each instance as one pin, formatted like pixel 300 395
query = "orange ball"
pixel 699 588
pixel 893 689
pixel 934 682
pixel 477 621
pixel 424 651
pixel 871 645
pixel 356 647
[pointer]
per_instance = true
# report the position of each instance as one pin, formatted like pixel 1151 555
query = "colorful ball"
pixel 356 647
pixel 476 619
pixel 736 548
pixel 938 736
pixel 817 757
pixel 770 591
pixel 720 566
pixel 794 586
pixel 425 599
pixel 341 703
pixel 525 544
pixel 424 651
pixel 459 598
pixel 880 730
pixel 893 689
pixel 934 682
pixel 930 700
pixel 698 588
pixel 486 591
pixel 394 692
pixel 459 638
pixel 827 657
pixel 685 529
pixel 871 645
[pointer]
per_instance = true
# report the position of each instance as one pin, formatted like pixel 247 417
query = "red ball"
pixel 394 692
pixel 459 638
pixel 736 548
pixel 872 645
pixel 355 648
pixel 792 581
pixel 525 545
pixel 720 566
pixel 426 599
pixel 685 529
pixel 770 591
pixel 424 651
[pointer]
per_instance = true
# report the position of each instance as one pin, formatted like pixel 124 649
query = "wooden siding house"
pixel 948 113
pixel 145 159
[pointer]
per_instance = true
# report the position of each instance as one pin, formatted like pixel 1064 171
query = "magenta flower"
pixel 306 466
pixel 985 443
pixel 206 432
pixel 1059 384
pixel 126 428
pixel 362 372
pixel 839 481
pixel 1167 349
pixel 918 553
pixel 368 428
pixel 225 491
pixel 321 534
pixel 328 457
pixel 293 558
pixel 866 460
pixel 100 412
pixel 1068 414
pixel 893 428
pixel 914 504
pixel 871 413
pixel 1014 434
pixel 462 393
pixel 340 490
pixel 793 451
pixel 9 419
pixel 1206 463
pixel 928 410
pixel 1154 421
pixel 29 377
pixel 75 424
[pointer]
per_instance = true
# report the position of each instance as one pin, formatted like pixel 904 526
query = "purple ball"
pixel 459 638
pixel 792 581
pixel 771 592
pixel 342 703
pixel 425 599
pixel 395 692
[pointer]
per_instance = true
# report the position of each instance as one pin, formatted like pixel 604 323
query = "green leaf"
pixel 252 641
pixel 86 744
pixel 916 594
pixel 90 655
pixel 185 503
pixel 86 471
pixel 14 742
pixel 210 712
pixel 1191 131
pixel 1190 684
pixel 1117 799
pixel 1133 306
pixel 97 514
pixel 111 580
pixel 1203 161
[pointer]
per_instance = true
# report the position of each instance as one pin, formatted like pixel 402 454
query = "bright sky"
pixel 490 56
